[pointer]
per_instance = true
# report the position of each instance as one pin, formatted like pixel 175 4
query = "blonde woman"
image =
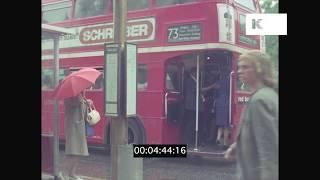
pixel 257 144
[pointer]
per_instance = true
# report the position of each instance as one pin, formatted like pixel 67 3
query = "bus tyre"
pixel 107 140
pixel 136 132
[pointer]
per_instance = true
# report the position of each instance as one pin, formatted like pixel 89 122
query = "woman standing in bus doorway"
pixel 76 142
pixel 188 128
pixel 257 145
pixel 221 105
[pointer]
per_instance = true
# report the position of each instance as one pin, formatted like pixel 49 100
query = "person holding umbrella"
pixel 72 91
pixel 75 109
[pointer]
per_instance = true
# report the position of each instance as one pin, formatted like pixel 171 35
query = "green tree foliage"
pixel 272 42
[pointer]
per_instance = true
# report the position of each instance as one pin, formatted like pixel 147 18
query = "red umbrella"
pixel 76 82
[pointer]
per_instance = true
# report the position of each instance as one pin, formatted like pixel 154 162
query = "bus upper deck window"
pixel 246 3
pixel 165 2
pixel 88 8
pixel 171 2
pixel 56 12
pixel 185 1
pixel 137 4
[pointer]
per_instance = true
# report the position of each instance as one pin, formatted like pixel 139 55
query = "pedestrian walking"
pixel 257 144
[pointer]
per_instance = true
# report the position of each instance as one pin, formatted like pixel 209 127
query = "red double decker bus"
pixel 172 36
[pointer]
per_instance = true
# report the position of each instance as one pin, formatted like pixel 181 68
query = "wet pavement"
pixel 97 167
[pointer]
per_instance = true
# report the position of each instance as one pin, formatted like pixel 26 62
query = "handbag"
pixel 93 116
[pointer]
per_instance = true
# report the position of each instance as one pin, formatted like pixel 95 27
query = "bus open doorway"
pixel 214 69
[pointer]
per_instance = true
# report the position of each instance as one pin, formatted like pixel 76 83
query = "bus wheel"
pixel 136 131
pixel 107 140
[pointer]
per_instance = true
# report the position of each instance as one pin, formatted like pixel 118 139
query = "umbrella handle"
pixel 91 108
pixel 90 105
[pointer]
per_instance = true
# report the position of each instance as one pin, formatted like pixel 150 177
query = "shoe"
pixel 225 147
pixel 190 145
pixel 61 176
pixel 218 142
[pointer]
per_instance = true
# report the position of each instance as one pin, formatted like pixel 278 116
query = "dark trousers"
pixel 189 127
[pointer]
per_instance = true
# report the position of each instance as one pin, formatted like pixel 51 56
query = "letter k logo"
pixel 256 23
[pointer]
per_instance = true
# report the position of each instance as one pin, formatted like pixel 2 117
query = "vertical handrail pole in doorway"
pixel 197 105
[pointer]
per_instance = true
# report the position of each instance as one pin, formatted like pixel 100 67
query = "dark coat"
pixel 257 143
pixel 221 95
pixel 190 95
